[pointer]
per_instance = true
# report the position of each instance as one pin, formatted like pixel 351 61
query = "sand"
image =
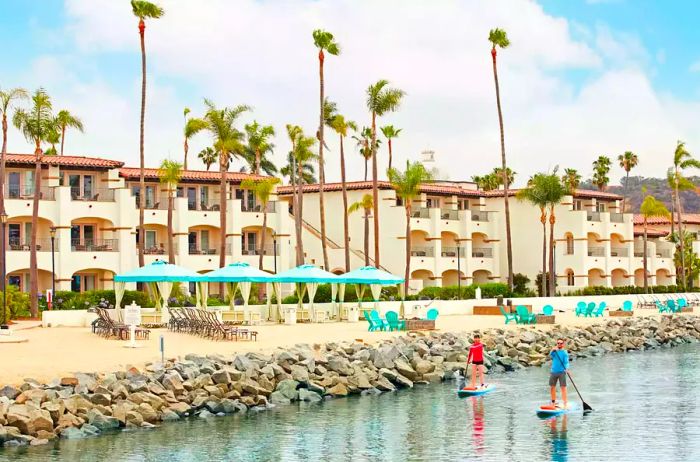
pixel 60 351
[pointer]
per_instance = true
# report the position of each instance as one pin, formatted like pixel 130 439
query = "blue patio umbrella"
pixel 240 275
pixel 307 277
pixel 369 275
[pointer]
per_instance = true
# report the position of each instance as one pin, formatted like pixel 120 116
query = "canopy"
pixel 306 273
pixel 238 272
pixel 159 271
pixel 370 275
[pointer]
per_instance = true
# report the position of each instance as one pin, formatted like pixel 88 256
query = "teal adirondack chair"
pixel 627 305
pixel 432 314
pixel 372 326
pixel 671 306
pixel 682 303
pixel 662 308
pixel 378 321
pixel 509 316
pixel 393 321
pixel 524 316
pixel 547 310
pixel 599 311
pixel 581 308
pixel 589 310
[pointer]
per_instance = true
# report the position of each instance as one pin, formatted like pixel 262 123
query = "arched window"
pixel 570 277
pixel 569 244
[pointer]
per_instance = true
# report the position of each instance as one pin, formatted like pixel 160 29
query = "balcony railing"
pixel 420 213
pixel 203 206
pixel 482 252
pixel 480 216
pixel 449 214
pixel 95 195
pixel 157 249
pixel 199 250
pixel 94 245
pixel 596 251
pixel 617 218
pixel 450 251
pixel 663 253
pixel 27 193
pixel 269 250
pixel 619 252
pixel 422 252
pixel 42 245
pixel 593 216
pixel 258 208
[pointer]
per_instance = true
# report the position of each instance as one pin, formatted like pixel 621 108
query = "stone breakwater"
pixel 204 387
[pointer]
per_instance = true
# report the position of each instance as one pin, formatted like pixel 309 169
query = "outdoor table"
pixel 544 319
pixel 620 313
pixel 420 324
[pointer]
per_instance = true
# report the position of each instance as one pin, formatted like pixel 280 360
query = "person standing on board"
pixel 560 366
pixel 476 357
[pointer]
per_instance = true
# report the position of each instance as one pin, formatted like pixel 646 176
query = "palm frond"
pixel 143 9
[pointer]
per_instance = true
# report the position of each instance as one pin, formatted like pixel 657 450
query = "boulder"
pixel 101 399
pixel 405 369
pixel 9 392
pixel 72 433
pixel 102 422
pixel 383 384
pixel 69 382
pixel 181 408
pixel 277 397
pixel 169 416
pixel 309 396
pixel 221 377
pixel 288 389
pixel 338 390
pixel 423 367
pixel 173 383
pixel 403 381
pixel 300 373
pixel 360 381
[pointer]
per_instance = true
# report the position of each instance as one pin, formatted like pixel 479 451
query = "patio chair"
pixel 599 311
pixel 671 305
pixel 682 303
pixel 509 316
pixel 378 321
pixel 432 314
pixel 547 310
pixel 662 308
pixel 581 308
pixel 393 321
pixel 524 316
pixel 372 325
pixel 627 305
pixel 589 310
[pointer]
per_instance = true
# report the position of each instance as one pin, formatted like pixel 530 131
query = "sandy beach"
pixel 55 352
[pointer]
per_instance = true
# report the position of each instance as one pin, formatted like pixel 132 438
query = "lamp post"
pixel 459 272
pixel 3 221
pixel 52 230
pixel 274 249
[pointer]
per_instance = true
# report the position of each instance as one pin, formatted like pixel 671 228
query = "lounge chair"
pixel 581 309
pixel 627 305
pixel 378 321
pixel 432 314
pixel 599 311
pixel 682 303
pixel 509 316
pixel 547 310
pixel 393 321
pixel 671 306
pixel 524 316
pixel 589 310
pixel 662 308
pixel 372 325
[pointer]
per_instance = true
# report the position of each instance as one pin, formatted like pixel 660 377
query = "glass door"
pixel 192 198
pixel 88 186
pixel 204 240
pixel 13 182
pixel 74 183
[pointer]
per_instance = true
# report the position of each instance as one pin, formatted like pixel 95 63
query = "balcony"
pixel 663 253
pixel 258 208
pixel 450 251
pixel 482 252
pixel 449 214
pixel 480 216
pixel 593 216
pixel 596 251
pixel 420 213
pixel 203 206
pixel 27 193
pixel 157 249
pixel 94 195
pixel 269 250
pixel 42 245
pixel 199 250
pixel 617 218
pixel 619 252
pixel 422 251
pixel 94 245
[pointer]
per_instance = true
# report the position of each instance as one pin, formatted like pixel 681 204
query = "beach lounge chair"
pixel 671 305
pixel 378 321
pixel 599 311
pixel 662 308
pixel 627 305
pixel 589 310
pixel 581 308
pixel 393 321
pixel 547 310
pixel 432 314
pixel 372 325
pixel 509 316
pixel 682 303
pixel 524 316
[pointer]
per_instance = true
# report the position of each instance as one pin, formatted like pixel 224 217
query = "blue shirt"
pixel 560 361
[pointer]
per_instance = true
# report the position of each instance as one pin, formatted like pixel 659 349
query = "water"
pixel 646 408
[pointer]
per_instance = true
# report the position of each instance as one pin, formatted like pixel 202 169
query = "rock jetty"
pixel 86 404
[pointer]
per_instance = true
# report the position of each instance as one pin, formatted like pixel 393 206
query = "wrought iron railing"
pixel 482 252
pixel 422 252
pixel 94 245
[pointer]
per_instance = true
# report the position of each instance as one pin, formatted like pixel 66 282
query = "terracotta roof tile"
pixel 688 218
pixel 188 175
pixel 65 161
pixel 651 232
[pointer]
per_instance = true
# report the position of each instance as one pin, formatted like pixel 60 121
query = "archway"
pixel 420 245
pixel 92 279
pixel 663 277
pixel 20 279
pixel 421 278
pixel 596 277
pixel 639 278
pixel 618 277
pixel 203 240
pixel 451 277
pixel 481 276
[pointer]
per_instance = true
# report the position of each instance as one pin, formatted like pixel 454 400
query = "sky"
pixel 582 78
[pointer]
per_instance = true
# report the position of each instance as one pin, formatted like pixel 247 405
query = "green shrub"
pixel 625 290
pixel 16 302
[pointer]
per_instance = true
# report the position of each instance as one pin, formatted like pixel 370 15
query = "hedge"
pixel 629 290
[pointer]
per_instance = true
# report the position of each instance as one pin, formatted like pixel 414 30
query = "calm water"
pixel 647 407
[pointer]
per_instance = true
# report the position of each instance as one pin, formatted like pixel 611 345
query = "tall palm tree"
pixel 193 126
pixel 65 120
pixel 554 192
pixel 341 127
pixel 301 155
pixel 682 160
pixel 228 142
pixel 170 173
pixel 389 133
pixel 208 157
pixel 259 145
pixel 53 138
pixel 601 168
pixel 290 170
pixel 263 189
pixel 498 38
pixel 365 204
pixel 363 140
pixel 487 182
pixel 510 175
pixel 535 194
pixel 324 42
pixel 36 124
pixel 571 179
pixel 650 208
pixel 407 185
pixel 627 161
pixel 381 99
pixel 143 10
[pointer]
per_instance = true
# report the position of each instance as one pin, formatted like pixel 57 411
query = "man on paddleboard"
pixel 560 365
pixel 476 357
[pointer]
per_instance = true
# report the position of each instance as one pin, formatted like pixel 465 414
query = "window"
pixel 88 186
pixel 433 202
pixel 569 244
pixel 192 198
pixel 600 207
pixel 249 243
pixel 192 240
pixel 82 282
pixel 578 204
pixel 204 196
pixel 204 239
pixel 14 184
pixel 81 186
pixel 82 236
pixel 28 183
pixel 180 191
pixel 570 278
pixel 150 196
pixel 463 204
pixel 14 234
pixel 150 239
pixel 399 202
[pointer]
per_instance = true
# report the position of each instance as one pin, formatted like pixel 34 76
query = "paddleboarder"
pixel 560 367
pixel 476 357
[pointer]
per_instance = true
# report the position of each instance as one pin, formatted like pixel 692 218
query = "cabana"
pixel 308 277
pixel 160 275
pixel 240 276
pixel 368 276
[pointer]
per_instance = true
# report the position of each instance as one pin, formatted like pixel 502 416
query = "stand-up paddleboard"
pixel 549 410
pixel 477 391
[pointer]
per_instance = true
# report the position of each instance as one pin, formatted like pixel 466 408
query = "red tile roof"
pixel 65 161
pixel 651 232
pixel 132 173
pixel 688 218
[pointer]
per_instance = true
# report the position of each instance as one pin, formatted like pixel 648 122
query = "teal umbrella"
pixel 375 278
pixel 240 275
pixel 307 277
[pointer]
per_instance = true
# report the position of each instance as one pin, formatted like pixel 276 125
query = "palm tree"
pixel 380 100
pixel 571 179
pixel 510 175
pixel 407 185
pixel 208 157
pixel 365 204
pixel 389 133
pixel 36 125
pixel 535 194
pixel 53 138
pixel 627 161
pixel 498 38
pixel 601 168
pixel 301 155
pixel 290 170
pixel 143 9
pixel 487 182
pixel 258 146
pixel 682 160
pixel 554 193
pixel 263 189
pixel 65 120
pixel 192 127
pixel 324 41
pixel 363 140
pixel 650 208
pixel 341 126
pixel 228 142
pixel 170 173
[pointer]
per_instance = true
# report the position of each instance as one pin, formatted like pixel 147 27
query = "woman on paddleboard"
pixel 476 357
pixel 560 366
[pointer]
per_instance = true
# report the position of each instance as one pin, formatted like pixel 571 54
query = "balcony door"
pixel 13 181
pixel 192 199
pixel 82 282
pixel 249 243
pixel 82 236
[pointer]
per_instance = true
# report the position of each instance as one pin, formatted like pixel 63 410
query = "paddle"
pixel 586 406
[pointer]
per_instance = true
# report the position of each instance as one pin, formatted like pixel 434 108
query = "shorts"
pixel 557 376
pixel 478 363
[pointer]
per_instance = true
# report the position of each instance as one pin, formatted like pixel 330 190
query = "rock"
pixel 72 433
pixel 432 377
pixel 38 442
pixel 300 373
pixel 288 389
pixel 90 430
pixel 309 396
pixel 87 380
pixel 277 397
pixel 221 377
pixel 102 422
pixel 180 408
pixel 9 392
pixel 359 381
pixel 134 418
pixel 169 416
pixel 423 367
pixel 339 365
pixel 69 382
pixel 174 384
pixel 101 399
pixel 528 336
pixel 338 390
pixel 383 384
pixel 405 369
pixel 44 435
pixel 403 381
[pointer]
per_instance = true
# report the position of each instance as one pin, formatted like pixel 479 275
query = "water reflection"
pixel 478 424
pixel 557 435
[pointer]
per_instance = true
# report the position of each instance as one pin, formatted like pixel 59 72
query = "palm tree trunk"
pixel 299 215
pixel 2 181
pixel 171 245
pixel 509 243
pixel 187 148
pixel 543 281
pixel 63 137
pixel 366 160
pixel 552 276
pixel 321 165
pixel 257 162
pixel 627 185
pixel 346 225
pixel 681 238
pixel 223 187
pixel 407 273
pixel 262 250
pixel 33 266
pixel 389 152
pixel 375 190
pixel 142 158
pixel 644 259
pixel 366 237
